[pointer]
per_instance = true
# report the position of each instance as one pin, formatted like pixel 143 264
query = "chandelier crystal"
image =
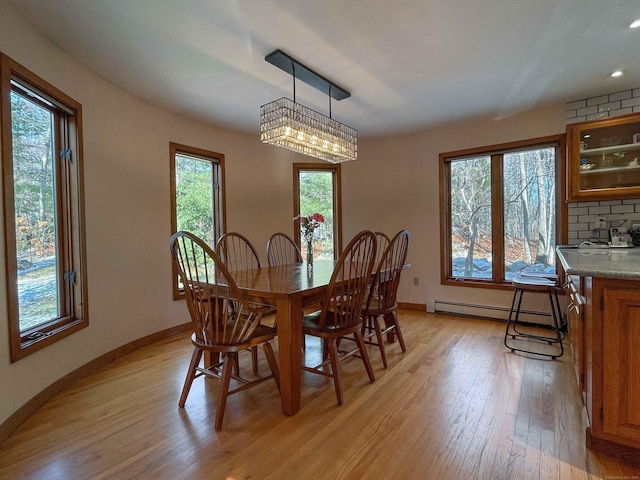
pixel 293 126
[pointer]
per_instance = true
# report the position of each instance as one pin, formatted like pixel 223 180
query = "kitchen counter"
pixel 618 263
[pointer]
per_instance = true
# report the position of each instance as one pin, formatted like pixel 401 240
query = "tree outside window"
pixel 317 190
pixel 197 195
pixel 500 210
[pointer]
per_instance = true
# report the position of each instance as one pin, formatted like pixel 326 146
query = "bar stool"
pixel 526 337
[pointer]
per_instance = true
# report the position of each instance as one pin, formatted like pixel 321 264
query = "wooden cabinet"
pixel 612 362
pixel 621 363
pixel 575 320
pixel 603 160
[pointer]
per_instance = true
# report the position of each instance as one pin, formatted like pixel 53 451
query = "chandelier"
pixel 293 126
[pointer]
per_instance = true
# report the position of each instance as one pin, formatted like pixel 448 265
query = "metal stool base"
pixel 519 336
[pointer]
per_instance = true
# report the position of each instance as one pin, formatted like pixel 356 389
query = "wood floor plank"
pixel 456 405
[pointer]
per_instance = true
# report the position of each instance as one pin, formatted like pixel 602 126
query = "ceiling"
pixel 410 65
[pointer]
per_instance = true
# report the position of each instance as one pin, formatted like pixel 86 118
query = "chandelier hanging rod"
pixel 298 70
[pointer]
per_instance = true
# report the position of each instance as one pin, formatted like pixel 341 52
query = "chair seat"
pixel 261 334
pixel 311 325
pixel 539 284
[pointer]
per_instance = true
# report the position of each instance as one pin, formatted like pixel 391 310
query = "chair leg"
pixel 273 364
pixel 333 356
pixel 364 356
pixel 376 327
pixel 191 374
pixel 229 364
pixel 254 359
pixel 393 317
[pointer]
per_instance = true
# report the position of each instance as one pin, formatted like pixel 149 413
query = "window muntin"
pixel 43 204
pixel 494 199
pixel 197 196
pixel 317 189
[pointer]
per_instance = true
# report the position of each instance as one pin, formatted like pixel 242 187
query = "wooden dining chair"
pixel 381 246
pixel 381 302
pixel 218 327
pixel 341 308
pixel 282 250
pixel 238 253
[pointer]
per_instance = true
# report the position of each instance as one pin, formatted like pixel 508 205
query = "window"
pixel 43 204
pixel 500 210
pixel 197 196
pixel 317 189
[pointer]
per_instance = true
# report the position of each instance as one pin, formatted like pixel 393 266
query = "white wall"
pixel 393 185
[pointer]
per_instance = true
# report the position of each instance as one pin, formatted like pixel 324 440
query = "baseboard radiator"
pixel 489 312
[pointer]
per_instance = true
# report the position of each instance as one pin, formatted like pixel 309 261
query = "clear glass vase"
pixel 310 255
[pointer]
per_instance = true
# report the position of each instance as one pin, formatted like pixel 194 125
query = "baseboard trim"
pixel 23 413
pixel 422 307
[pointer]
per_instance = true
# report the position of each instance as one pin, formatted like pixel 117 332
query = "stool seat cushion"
pixel 533 283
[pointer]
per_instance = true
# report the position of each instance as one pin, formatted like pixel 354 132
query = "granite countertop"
pixel 607 262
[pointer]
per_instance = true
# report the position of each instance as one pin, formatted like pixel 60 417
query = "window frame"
pixel 218 188
pixel 496 152
pixel 69 190
pixel 337 201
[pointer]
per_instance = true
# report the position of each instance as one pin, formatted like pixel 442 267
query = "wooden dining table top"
pixel 285 280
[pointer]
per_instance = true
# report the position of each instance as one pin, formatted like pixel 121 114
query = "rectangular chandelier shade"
pixel 293 126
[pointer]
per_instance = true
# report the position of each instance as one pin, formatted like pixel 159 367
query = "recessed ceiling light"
pixel 617 73
pixel 635 23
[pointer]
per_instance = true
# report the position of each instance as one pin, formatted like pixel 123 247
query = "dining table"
pixel 289 288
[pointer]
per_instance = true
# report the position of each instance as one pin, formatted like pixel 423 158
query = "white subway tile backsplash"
pixel 605 107
pixel 578 211
pixel 578 226
pixel 597 100
pixel 600 210
pixel 620 95
pixel 578 104
pixel 586 218
pixel 571 114
pixel 630 103
pixel 636 93
pixel 610 202
pixel 588 110
pixel 597 116
pixel 622 209
pixel 622 111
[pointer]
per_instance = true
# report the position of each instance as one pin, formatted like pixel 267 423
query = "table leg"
pixel 289 314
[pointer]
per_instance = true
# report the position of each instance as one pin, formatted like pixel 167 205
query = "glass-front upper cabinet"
pixel 604 159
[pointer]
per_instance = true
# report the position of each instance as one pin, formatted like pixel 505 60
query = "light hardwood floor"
pixel 457 405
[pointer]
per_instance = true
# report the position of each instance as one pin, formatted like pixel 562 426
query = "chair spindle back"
pixel 348 284
pixel 282 250
pixel 219 313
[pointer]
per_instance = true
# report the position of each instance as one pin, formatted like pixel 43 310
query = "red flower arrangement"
pixel 309 223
